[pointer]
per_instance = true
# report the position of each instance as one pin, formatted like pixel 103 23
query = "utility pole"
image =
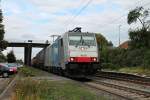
pixel 119 34
pixel 12 49
pixel 53 36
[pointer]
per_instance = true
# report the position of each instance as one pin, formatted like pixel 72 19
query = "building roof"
pixel 124 45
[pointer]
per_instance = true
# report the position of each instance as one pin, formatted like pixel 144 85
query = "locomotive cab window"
pixel 75 40
pixel 82 40
pixel 88 40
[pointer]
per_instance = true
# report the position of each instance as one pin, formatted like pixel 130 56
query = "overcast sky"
pixel 38 19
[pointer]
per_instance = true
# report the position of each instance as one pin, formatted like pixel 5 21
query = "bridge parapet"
pixel 28 41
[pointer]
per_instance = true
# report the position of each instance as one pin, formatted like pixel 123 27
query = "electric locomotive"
pixel 73 54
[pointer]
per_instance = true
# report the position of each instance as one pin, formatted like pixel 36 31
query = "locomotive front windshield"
pixel 82 40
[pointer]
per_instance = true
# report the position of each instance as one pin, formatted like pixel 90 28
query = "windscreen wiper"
pixel 85 43
pixel 77 44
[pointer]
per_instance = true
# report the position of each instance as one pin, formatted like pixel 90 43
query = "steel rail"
pixel 131 90
pixel 125 77
pixel 107 91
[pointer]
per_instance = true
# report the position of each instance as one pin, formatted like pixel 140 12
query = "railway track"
pixel 126 93
pixel 125 77
pixel 106 90
pixel 122 85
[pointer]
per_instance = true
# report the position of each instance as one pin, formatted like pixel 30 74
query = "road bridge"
pixel 28 48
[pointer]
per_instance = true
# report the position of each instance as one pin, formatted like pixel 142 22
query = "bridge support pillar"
pixel 27 55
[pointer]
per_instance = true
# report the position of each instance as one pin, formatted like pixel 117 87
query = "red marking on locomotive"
pixel 83 59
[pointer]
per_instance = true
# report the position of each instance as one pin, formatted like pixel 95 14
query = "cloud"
pixel 38 19
pixel 59 5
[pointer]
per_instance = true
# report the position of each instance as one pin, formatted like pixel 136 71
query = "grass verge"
pixel 137 70
pixel 30 89
pixel 132 70
pixel 31 72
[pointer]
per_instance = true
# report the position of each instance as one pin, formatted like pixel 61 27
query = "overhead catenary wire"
pixel 81 3
pixel 109 23
pixel 79 12
pixel 123 15
pixel 87 4
pixel 83 8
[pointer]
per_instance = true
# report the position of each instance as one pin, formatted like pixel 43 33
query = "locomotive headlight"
pixel 82 48
pixel 71 59
pixel 94 59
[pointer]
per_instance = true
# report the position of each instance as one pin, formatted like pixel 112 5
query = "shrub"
pixel 115 58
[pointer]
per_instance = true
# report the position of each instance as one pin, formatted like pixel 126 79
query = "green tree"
pixel 102 41
pixel 139 54
pixel 1 26
pixel 103 45
pixel 19 61
pixel 3 43
pixel 11 57
pixel 141 15
pixel 2 58
pixel 140 38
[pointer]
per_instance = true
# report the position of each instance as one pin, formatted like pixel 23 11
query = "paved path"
pixel 3 83
pixel 51 77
